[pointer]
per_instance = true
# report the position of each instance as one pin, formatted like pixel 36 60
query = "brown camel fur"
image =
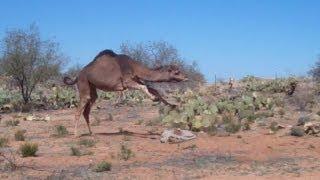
pixel 112 72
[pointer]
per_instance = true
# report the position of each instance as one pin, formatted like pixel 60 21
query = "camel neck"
pixel 151 75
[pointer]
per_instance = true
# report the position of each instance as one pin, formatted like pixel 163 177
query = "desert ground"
pixel 253 154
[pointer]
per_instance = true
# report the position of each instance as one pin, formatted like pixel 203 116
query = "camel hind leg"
pixel 84 95
pixel 82 106
pixel 88 106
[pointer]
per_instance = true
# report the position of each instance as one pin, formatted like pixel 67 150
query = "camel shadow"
pixel 149 135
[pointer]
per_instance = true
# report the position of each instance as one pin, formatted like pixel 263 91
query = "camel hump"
pixel 124 63
pixel 106 52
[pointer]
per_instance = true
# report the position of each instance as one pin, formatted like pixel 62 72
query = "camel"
pixel 117 72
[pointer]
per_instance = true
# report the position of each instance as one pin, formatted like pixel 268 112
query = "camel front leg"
pixel 120 98
pixel 144 89
pixel 157 94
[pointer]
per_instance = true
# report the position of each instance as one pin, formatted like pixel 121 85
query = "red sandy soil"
pixel 250 154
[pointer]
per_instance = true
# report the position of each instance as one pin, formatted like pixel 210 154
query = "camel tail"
pixel 69 81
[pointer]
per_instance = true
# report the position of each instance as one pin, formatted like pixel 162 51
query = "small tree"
pixel 29 59
pixel 315 71
pixel 159 53
pixel 73 71
pixel 137 52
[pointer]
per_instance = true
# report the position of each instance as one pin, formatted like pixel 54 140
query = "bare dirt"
pixel 252 154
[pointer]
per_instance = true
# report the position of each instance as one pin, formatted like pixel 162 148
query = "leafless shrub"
pixel 315 71
pixel 303 100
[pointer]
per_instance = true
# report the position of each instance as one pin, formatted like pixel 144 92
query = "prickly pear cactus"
pixel 107 95
pixel 63 97
pixel 197 114
pixel 9 98
pixel 194 113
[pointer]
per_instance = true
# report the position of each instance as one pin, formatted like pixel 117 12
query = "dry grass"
pixel 28 149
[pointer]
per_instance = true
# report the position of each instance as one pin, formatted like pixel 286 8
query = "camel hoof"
pixel 173 106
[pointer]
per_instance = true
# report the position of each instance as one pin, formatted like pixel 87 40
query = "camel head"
pixel 172 73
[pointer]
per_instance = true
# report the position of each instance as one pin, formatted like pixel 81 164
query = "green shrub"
pixel 28 149
pixel 75 151
pixel 19 135
pixel 262 102
pixel 303 120
pixel 278 101
pixel 226 106
pixel 4 96
pixel 228 118
pixel 281 112
pixel 3 142
pixel 249 78
pixel 87 142
pixel 125 153
pixel 107 95
pixel 233 127
pixel 60 131
pixel 12 123
pixel 63 97
pixel 274 126
pixel 246 126
pixel 103 166
pixel 265 114
pixel 297 131
pixel 247 114
pixel 278 85
pixel 134 97
pixel 211 130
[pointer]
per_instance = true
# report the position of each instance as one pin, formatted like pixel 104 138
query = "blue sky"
pixel 227 38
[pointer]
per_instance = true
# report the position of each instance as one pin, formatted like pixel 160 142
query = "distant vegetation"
pixel 315 71
pixel 102 166
pixel 30 67
pixel 29 60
